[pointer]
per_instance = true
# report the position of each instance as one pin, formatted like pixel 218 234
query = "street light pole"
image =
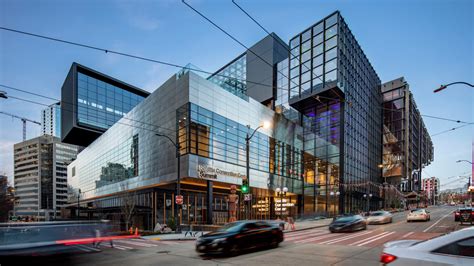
pixel 78 206
pixel 247 163
pixel 178 179
pixel 442 87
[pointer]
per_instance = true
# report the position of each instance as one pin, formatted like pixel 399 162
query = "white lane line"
pixel 363 240
pixel 431 226
pixel 370 241
pixel 304 233
pixel 86 248
pixel 165 242
pixel 407 234
pixel 301 237
pixel 122 247
pixel 331 241
pixel 137 244
pixel 313 239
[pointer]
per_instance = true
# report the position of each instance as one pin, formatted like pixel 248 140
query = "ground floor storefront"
pixel 207 202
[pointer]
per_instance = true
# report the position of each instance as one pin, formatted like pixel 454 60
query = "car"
pixel 348 223
pixel 233 238
pixel 455 248
pixel 456 215
pixel 379 217
pixel 466 215
pixel 418 215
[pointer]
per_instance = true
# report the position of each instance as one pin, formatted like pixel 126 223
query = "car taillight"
pixel 387 258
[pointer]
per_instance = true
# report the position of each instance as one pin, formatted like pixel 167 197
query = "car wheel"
pixel 234 250
pixel 274 243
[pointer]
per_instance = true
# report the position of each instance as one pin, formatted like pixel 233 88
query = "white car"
pixel 418 215
pixel 456 248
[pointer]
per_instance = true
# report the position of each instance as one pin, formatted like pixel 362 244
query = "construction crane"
pixel 24 120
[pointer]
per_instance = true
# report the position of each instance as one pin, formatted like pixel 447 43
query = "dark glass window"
pixel 463 247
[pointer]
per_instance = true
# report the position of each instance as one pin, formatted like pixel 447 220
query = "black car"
pixel 235 237
pixel 348 223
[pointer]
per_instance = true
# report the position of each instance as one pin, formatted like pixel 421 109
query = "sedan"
pixel 235 237
pixel 379 217
pixel 418 215
pixel 348 223
pixel 456 248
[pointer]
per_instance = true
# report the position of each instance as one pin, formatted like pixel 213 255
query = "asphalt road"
pixel 309 247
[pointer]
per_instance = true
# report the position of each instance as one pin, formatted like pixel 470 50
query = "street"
pixel 307 247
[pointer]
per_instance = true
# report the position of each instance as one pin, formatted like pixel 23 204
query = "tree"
pixel 129 202
pixel 6 198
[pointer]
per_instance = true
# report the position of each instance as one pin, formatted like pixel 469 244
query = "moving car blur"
pixel 348 223
pixel 47 238
pixel 418 215
pixel 235 237
pixel 456 248
pixel 379 217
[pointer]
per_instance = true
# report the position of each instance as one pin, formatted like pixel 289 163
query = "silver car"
pixel 418 215
pixel 379 217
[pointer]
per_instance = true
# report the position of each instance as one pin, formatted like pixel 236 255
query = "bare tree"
pixel 129 202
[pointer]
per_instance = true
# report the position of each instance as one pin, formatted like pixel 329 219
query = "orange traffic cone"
pixel 136 231
pixel 131 230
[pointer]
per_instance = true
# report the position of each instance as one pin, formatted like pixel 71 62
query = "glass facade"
pixel 100 104
pixel 233 77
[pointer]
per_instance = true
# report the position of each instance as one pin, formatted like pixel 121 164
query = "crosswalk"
pixel 125 245
pixel 366 238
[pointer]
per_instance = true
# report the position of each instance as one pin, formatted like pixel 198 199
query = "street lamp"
pixel 458 161
pixel 336 194
pixel 178 179
pixel 368 196
pixel 281 192
pixel 265 125
pixel 442 87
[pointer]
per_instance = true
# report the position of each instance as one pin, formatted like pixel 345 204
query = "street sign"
pixel 179 199
pixel 247 197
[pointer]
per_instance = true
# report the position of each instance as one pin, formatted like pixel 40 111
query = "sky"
pixel 428 42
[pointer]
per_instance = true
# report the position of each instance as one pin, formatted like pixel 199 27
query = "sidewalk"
pixel 300 226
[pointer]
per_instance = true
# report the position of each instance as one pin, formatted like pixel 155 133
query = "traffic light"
pixel 245 186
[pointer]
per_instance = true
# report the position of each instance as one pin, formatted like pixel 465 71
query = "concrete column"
pixel 209 202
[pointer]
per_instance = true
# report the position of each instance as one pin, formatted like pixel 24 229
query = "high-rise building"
pixel 431 187
pixel 337 91
pixel 51 120
pixel 91 102
pixel 40 176
pixel 407 145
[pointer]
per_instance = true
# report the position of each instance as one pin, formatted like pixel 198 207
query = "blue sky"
pixel 427 42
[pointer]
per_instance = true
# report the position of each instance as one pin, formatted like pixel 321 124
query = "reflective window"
pixel 318 39
pixel 306 36
pixel 306 56
pixel 318 49
pixel 294 62
pixel 331 43
pixel 318 60
pixel 101 104
pixel 331 76
pixel 331 20
pixel 305 46
pixel 332 31
pixel 306 77
pixel 233 78
pixel 318 29
pixel 295 42
pixel 331 54
pixel 331 65
pixel 318 71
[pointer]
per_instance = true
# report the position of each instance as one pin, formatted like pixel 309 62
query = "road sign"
pixel 179 199
pixel 247 197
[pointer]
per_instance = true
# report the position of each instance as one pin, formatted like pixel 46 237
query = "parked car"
pixel 418 215
pixel 348 223
pixel 456 248
pixel 379 217
pixel 235 237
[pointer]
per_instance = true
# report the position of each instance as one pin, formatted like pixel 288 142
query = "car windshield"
pixel 376 214
pixel 418 211
pixel 231 227
pixel 345 219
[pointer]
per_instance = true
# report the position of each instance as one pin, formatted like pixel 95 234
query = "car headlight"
pixel 219 240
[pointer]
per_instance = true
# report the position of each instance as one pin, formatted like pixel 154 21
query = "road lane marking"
pixel 380 237
pixel 407 234
pixel 313 239
pixel 345 238
pixel 301 237
pixel 122 247
pixel 304 233
pixel 138 244
pixel 431 226
pixel 366 239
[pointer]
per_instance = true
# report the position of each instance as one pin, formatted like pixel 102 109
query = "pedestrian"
pixel 291 223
